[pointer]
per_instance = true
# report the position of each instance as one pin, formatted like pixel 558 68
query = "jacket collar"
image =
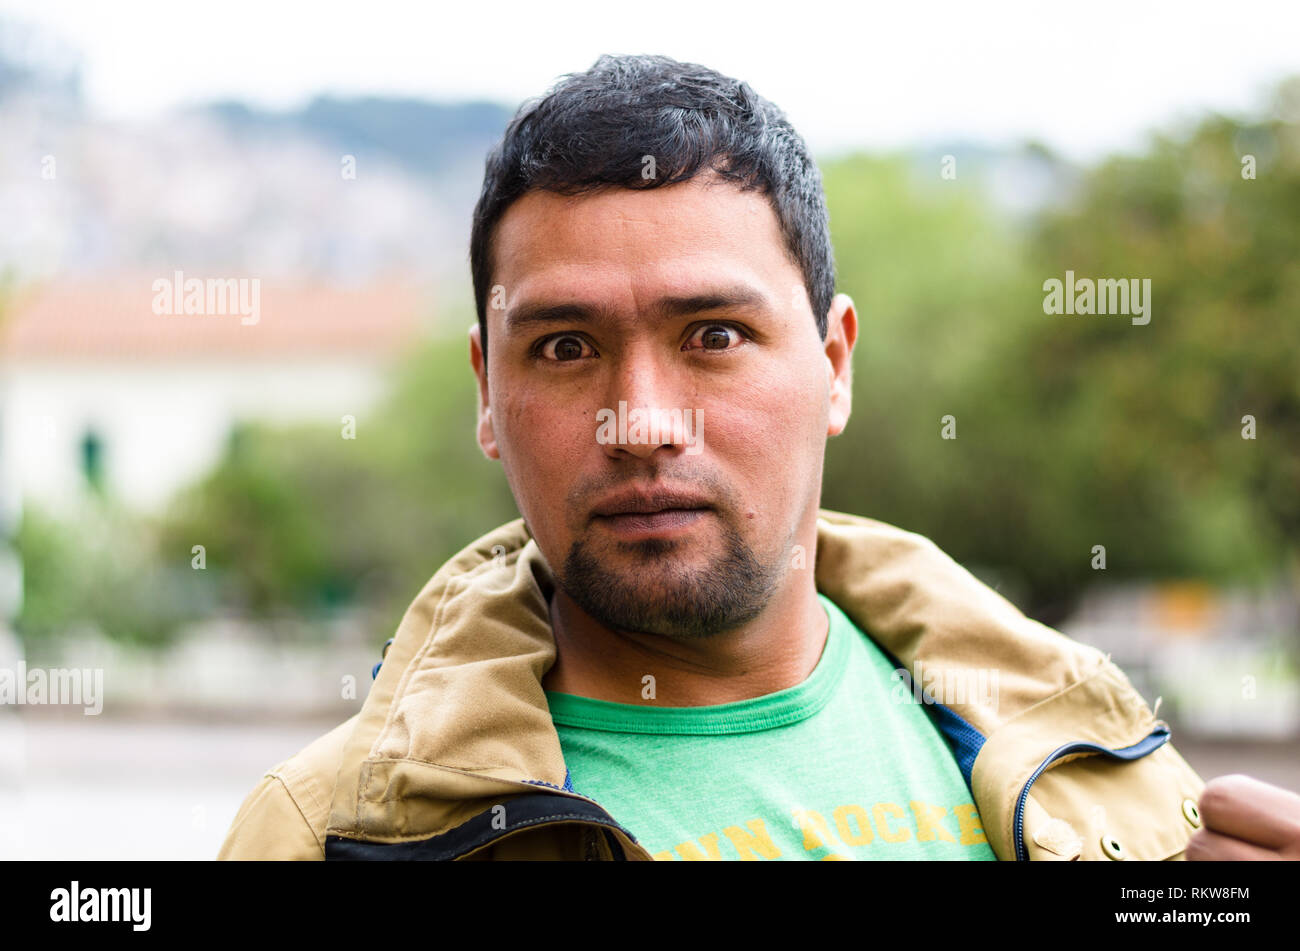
pixel 456 721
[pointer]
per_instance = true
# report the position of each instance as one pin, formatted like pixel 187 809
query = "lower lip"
pixel 652 524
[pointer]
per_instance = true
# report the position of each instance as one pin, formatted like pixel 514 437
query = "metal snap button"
pixel 1110 845
pixel 1191 813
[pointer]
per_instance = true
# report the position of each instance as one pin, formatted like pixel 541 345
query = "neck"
pixel 777 650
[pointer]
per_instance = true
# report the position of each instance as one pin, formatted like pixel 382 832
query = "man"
pixel 675 653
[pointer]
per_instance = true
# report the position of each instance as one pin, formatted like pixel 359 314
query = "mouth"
pixel 648 502
pixel 634 525
pixel 634 514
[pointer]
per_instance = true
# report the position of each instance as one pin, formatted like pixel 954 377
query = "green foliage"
pixel 302 521
pixel 1075 431
pixel 101 569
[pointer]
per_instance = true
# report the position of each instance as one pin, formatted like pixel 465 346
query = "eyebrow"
pixel 737 296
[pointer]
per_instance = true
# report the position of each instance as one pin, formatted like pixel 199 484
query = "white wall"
pixel 161 425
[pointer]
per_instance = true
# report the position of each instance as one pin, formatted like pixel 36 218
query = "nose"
pixel 643 414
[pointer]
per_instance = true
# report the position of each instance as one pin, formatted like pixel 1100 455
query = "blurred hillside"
pixel 349 189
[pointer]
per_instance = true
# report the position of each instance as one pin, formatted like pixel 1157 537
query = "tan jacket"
pixel 453 754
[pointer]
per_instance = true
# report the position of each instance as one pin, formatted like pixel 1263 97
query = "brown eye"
pixel 563 349
pixel 716 337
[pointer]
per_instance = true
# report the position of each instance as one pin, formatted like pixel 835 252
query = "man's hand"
pixel 1244 819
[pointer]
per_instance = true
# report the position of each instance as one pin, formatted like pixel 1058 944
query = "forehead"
pixel 620 239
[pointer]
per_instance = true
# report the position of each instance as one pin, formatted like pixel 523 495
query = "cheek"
pixel 523 413
pixel 552 434
pixel 770 418
pixel 543 443
pixel 765 435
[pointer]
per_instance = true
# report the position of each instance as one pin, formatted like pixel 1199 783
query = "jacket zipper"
pixel 1152 742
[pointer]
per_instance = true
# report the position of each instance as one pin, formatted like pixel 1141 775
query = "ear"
pixel 841 335
pixel 486 438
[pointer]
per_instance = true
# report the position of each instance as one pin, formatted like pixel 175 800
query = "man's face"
pixel 678 299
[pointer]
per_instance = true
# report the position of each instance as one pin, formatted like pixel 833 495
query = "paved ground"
pixel 124 790
pixel 1277 763
pixel 118 789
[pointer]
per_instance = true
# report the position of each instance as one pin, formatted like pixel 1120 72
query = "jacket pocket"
pixel 1094 757
pixel 1125 804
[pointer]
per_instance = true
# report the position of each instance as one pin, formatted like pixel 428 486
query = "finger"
pixel 1246 808
pixel 1207 846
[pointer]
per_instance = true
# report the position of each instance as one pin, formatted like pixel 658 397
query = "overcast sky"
pixel 1086 78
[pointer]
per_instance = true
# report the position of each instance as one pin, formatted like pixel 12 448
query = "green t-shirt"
pixel 837 767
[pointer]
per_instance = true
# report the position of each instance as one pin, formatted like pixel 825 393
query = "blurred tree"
pixel 1075 431
pixel 304 521
pixel 101 570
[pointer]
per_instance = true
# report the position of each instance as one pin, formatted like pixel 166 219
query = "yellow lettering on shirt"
pixel 849 825
pixel 813 826
pixel 929 821
pixel 863 834
pixel 690 853
pixel 888 833
pixel 756 840
pixel 968 820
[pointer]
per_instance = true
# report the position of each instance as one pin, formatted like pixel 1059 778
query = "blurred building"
pixel 98 389
pixel 1223 661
